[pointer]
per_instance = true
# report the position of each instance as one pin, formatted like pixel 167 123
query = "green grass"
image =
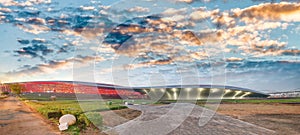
pixel 84 111
pixel 44 97
pixel 4 95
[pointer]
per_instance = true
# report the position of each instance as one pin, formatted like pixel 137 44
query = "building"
pixel 198 92
pixel 176 92
pixel 288 94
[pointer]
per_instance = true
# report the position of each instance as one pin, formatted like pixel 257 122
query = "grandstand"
pixel 175 92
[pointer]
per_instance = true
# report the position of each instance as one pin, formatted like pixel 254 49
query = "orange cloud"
pixel 270 11
pixel 52 66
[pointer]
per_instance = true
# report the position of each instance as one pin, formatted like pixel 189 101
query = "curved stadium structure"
pixel 174 92
pixel 198 92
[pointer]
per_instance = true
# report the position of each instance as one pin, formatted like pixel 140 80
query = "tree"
pixel 16 88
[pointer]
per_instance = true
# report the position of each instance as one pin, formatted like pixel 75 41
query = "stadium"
pixel 198 92
pixel 174 92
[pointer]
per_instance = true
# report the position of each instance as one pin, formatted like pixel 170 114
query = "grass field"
pixel 46 96
pixel 86 112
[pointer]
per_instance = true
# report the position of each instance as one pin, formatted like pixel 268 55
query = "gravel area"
pixel 282 118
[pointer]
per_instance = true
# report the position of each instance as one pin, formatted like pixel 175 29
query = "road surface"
pixel 183 119
pixel 17 119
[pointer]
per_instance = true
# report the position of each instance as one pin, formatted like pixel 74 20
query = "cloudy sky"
pixel 251 44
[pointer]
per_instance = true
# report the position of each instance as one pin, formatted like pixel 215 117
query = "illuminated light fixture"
pixel 246 94
pixel 151 89
pixel 188 89
pixel 169 95
pixel 174 89
pixel 174 94
pixel 199 93
pixel 227 91
pixel 214 90
pixel 145 91
pixel 200 89
pixel 236 93
pixel 162 90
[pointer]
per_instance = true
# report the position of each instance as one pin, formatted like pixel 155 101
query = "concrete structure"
pixel 198 92
pixel 288 94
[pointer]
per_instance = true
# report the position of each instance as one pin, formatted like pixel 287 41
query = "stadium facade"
pixel 174 92
pixel 198 92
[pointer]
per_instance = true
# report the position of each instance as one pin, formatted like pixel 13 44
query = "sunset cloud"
pixel 53 66
pixel 23 3
pixel 289 12
pixel 234 59
pixel 34 29
pixel 138 9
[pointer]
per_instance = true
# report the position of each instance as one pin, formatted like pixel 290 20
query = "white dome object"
pixel 67 118
pixel 63 126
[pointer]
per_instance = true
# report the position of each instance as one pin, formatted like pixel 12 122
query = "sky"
pixel 251 44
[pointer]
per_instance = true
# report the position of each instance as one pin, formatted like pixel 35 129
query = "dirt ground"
pixel 17 119
pixel 282 118
pixel 117 117
pixel 184 119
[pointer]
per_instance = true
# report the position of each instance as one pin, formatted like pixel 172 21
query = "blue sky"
pixel 250 44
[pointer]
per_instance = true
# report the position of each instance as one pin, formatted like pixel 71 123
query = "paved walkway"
pixel 17 119
pixel 183 119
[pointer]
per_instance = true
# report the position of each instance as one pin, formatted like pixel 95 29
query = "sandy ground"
pixel 117 117
pixel 17 119
pixel 282 118
pixel 184 119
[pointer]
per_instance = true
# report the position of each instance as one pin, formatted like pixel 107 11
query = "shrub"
pixel 117 107
pixel 82 119
pixel 55 114
pixel 73 130
pixel 16 88
pixel 109 102
pixel 75 112
pixel 50 112
pixel 5 93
